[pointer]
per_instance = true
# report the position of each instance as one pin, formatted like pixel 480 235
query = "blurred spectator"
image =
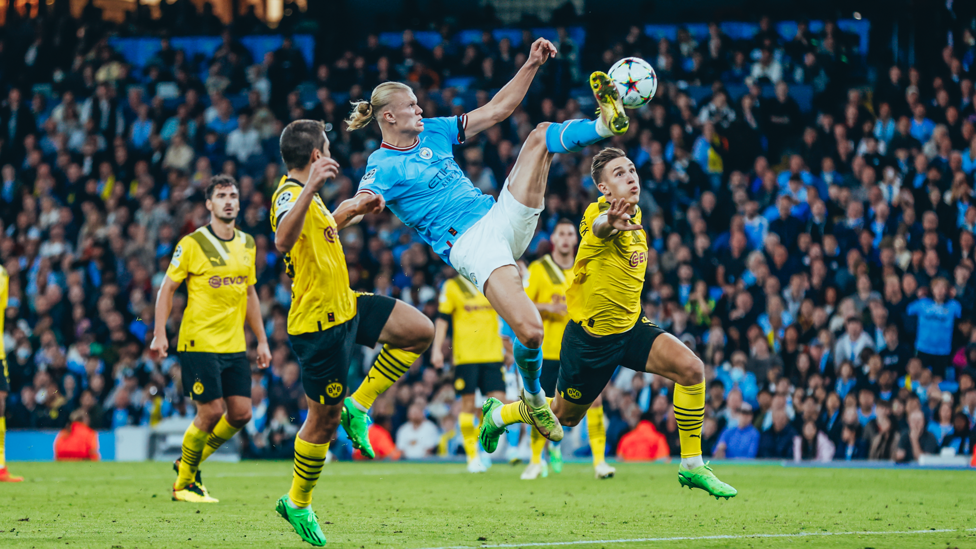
pixel 77 441
pixel 740 440
pixel 419 436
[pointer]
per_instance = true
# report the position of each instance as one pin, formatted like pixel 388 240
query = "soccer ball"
pixel 635 81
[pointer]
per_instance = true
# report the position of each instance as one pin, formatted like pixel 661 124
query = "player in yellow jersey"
pixel 549 279
pixel 327 318
pixel 608 327
pixel 477 352
pixel 5 475
pixel 217 263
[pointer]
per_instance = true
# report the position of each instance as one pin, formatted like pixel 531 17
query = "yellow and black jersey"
pixel 217 273
pixel 476 332
pixel 4 292
pixel 548 283
pixel 320 293
pixel 608 276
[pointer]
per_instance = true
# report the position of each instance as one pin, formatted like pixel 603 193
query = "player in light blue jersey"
pixel 414 171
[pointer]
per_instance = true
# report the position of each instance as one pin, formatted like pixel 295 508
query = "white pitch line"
pixel 702 538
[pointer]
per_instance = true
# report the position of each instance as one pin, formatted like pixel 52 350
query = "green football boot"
pixel 703 478
pixel 489 432
pixel 304 521
pixel 556 459
pixel 356 424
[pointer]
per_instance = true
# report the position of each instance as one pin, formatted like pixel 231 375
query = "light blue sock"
pixel 529 362
pixel 513 437
pixel 572 136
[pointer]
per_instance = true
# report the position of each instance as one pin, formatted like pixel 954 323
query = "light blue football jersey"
pixel 424 186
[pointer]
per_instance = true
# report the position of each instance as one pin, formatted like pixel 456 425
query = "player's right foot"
pixel 477 466
pixel 489 433
pixel 703 478
pixel 608 98
pixel 535 470
pixel 544 420
pixel 5 476
pixel 602 470
pixel 193 493
pixel 304 521
pixel 176 469
pixel 556 459
pixel 356 424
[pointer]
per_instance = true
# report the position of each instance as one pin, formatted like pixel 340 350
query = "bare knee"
pixel 568 420
pixel 691 371
pixel 423 336
pixel 537 137
pixel 239 417
pixel 208 414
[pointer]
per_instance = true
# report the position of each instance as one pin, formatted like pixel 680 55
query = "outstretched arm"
pixel 351 212
pixel 616 219
pixel 503 104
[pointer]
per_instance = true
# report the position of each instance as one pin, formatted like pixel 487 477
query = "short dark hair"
pixel 298 140
pixel 565 221
pixel 220 180
pixel 601 160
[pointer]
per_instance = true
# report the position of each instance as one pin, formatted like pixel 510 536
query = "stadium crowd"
pixel 820 262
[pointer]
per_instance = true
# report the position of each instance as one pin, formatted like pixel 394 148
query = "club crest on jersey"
pixel 426 153
pixel 334 389
pixel 198 388
pixel 573 393
pixel 330 234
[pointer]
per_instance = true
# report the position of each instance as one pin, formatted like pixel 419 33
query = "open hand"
pixel 540 52
pixel 264 355
pixel 618 216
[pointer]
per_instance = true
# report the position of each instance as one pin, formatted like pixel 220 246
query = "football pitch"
pixel 428 505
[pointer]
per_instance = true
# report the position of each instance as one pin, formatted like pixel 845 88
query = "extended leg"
pixel 673 360
pixel 406 335
pixel 237 416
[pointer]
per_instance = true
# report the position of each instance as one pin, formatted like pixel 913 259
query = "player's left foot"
pixel 304 521
pixel 5 476
pixel 703 478
pixel 544 420
pixel 477 466
pixel 603 470
pixel 489 432
pixel 535 470
pixel 356 424
pixel 193 493
pixel 608 98
pixel 556 459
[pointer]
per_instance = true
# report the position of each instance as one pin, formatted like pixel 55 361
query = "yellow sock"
pixel 194 441
pixel 3 442
pixel 222 433
pixel 309 459
pixel 597 433
pixel 689 411
pixel 538 445
pixel 390 366
pixel 469 434
pixel 517 412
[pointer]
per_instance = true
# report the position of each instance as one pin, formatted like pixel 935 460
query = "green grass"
pixel 367 505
